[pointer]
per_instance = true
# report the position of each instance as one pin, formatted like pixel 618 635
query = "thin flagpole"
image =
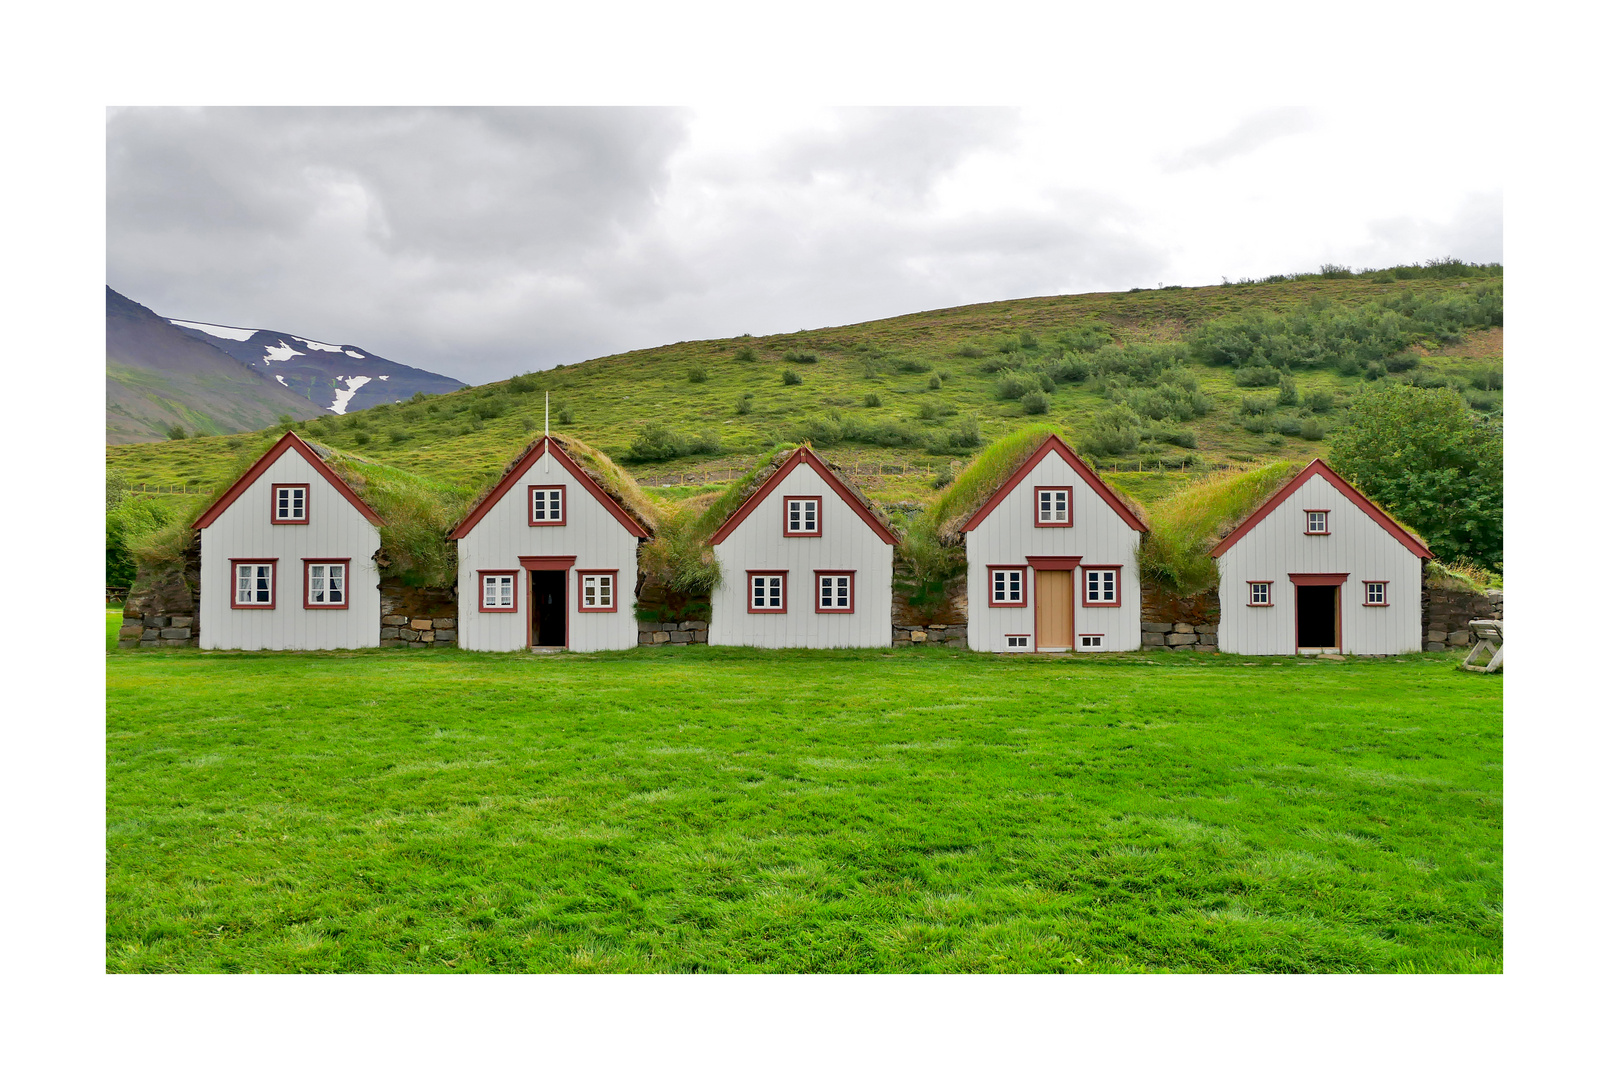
pixel 547 458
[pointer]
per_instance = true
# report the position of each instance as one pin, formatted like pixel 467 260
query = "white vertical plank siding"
pixel 590 533
pixel 335 530
pixel 1008 536
pixel 846 543
pixel 1358 546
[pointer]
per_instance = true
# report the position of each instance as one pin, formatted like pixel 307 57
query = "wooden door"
pixel 1053 608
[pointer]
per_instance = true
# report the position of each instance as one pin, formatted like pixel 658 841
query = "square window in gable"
pixel 288 504
pixel 801 516
pixel 1053 507
pixel 1318 522
pixel 547 505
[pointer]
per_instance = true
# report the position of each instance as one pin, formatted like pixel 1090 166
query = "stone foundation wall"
pixel 953 635
pixel 1180 623
pixel 1446 613
pixel 160 609
pixel 417 616
pixel 687 632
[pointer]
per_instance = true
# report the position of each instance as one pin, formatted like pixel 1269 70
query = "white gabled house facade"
pixel 1052 561
pixel 547 559
pixel 1319 568
pixel 805 563
pixel 287 558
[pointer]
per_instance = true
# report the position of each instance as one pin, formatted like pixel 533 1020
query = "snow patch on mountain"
pixel 354 354
pixel 354 383
pixel 232 333
pixel 319 345
pixel 281 379
pixel 281 351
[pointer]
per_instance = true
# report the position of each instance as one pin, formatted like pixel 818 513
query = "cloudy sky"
pixel 485 242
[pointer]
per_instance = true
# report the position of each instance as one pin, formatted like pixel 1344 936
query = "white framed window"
pixel 1261 594
pixel 1318 522
pixel 768 591
pixel 597 590
pixel 802 516
pixel 1093 642
pixel 547 505
pixel 1374 594
pixel 326 584
pixel 1102 586
pixel 254 584
pixel 1054 506
pixel 497 590
pixel 835 591
pixel 1006 586
pixel 1016 641
pixel 289 504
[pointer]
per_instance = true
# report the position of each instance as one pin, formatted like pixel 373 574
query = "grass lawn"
pixel 731 810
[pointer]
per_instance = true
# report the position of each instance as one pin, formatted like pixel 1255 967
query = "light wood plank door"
pixel 1053 608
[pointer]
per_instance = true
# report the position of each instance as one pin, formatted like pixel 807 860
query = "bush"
pixel 1487 379
pixel 943 476
pixel 564 416
pixel 1035 404
pixel 1027 341
pixel 1312 430
pixel 1113 431
pixel 1319 401
pixel 527 425
pixel 971 352
pixel 696 374
pixel 966 435
pixel 1257 376
pixel 1286 425
pixel 935 383
pixel 488 408
pixel 873 401
pixel 361 437
pixel 1257 405
pixel 400 435
pixel 797 357
pixel 1172 436
pixel 914 367
pixel 1013 387
pixel 1084 338
pixel 791 378
pixel 929 411
pixel 418 396
pixel 656 442
pixel 745 405
pixel 1070 370
pixel 519 384
pixel 1483 400
pixel 1287 391
pixel 746 355
pixel 177 432
pixel 1403 361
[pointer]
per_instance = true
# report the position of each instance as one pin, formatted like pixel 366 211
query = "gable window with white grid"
pixel 290 504
pixel 547 506
pixel 1053 506
pixel 1318 522
pixel 1261 593
pixel 803 517
pixel 1374 593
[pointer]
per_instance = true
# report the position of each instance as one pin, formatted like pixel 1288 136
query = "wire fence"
pixel 165 489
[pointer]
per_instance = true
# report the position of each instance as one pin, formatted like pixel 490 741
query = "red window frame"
pixel 480 591
pixel 1385 593
pixel 1054 524
pixel 786 499
pixel 307 584
pixel 530 505
pixel 749 583
pixel 1307 522
pixel 850 610
pixel 1023 570
pixel 1117 589
pixel 273 504
pixel 1250 592
pixel 273 585
pixel 580 591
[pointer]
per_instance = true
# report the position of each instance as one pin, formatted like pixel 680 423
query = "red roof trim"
pixel 1054 444
pixel 517 472
pixel 1319 467
pixel 807 456
pixel 289 441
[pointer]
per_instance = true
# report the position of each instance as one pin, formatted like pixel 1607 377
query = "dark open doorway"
pixel 1317 617
pixel 547 608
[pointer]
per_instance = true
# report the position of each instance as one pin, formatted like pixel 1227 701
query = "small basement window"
pixel 325 584
pixel 1318 523
pixel 497 591
pixel 1006 587
pixel 1016 641
pixel 802 517
pixel 254 584
pixel 1374 594
pixel 597 590
pixel 1091 641
pixel 1054 506
pixel 289 504
pixel 547 505
pixel 1261 594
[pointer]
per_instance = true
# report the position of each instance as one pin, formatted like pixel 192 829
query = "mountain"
pixel 158 377
pixel 340 378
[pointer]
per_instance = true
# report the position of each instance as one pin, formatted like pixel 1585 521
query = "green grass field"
pixel 730 810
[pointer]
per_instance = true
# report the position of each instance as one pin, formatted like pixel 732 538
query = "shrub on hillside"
pixel 935 383
pixel 1084 338
pixel 1035 403
pixel 519 384
pixel 1113 431
pixel 1311 430
pixel 1257 376
pixel 1287 391
pixel 1257 404
pixel 696 374
pixel 873 401
pixel 177 432
pixel 745 405
pixel 913 367
pixel 489 408
pixel 360 437
pixel 1483 400
pixel 1487 379
pixel 791 378
pixel 746 354
pixel 1013 387
pixel 798 356
pixel 965 435
pixel 1319 401
pixel 971 352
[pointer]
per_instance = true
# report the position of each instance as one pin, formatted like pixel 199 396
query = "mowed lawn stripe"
pixel 731 810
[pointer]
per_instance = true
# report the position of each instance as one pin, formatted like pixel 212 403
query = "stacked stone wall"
pixel 943 623
pixel 1446 612
pixel 416 616
pixel 686 632
pixel 161 607
pixel 1179 623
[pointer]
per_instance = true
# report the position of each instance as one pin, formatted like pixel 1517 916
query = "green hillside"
pixel 1182 378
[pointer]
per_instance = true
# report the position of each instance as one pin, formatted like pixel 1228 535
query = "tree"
pixel 1429 460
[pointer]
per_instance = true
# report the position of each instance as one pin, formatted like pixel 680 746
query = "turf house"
pixel 1318 568
pixel 548 557
pixel 1051 560
pixel 804 562
pixel 288 558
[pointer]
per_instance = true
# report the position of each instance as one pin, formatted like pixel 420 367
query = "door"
pixel 1053 609
pixel 548 608
pixel 1318 617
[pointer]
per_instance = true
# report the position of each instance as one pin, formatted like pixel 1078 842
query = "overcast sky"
pixel 484 242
